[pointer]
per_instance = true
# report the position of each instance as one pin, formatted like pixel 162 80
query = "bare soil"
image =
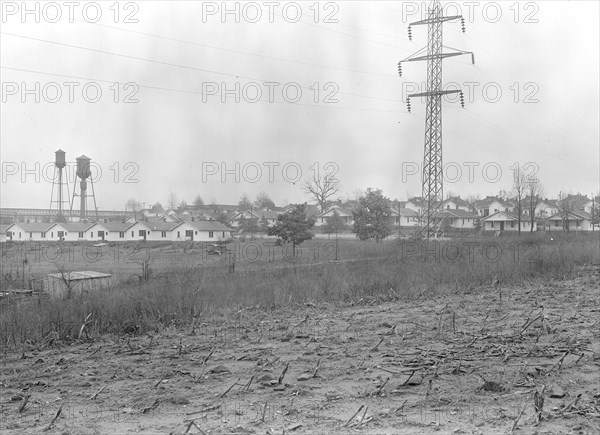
pixel 469 362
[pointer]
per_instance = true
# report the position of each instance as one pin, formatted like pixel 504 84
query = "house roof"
pixel 159 226
pixel 76 276
pixel 34 227
pixel 76 227
pixel 490 199
pixel 340 210
pixel 210 226
pixel 578 214
pixel 408 212
pixel 461 213
pixel 116 226
pixel 500 216
pixel 268 214
pixel 457 200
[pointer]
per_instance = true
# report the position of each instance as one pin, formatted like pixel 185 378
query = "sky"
pixel 219 100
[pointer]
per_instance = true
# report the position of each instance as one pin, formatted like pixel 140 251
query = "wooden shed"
pixel 69 284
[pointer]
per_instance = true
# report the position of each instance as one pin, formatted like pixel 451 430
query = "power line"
pixel 194 92
pixel 127 56
pixel 231 50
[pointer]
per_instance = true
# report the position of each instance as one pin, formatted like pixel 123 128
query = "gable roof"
pixel 159 226
pixel 499 215
pixel 34 227
pixel 581 214
pixel 77 227
pixel 210 226
pixel 117 226
pixel 461 213
pixel 456 200
pixel 340 210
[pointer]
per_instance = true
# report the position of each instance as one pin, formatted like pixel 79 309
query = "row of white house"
pixel 204 231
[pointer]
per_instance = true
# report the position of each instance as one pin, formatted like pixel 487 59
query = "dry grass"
pixel 388 271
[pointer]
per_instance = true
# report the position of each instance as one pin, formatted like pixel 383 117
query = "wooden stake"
pixel 54 419
pixel 355 414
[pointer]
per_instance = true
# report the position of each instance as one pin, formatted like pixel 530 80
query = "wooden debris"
pixel 571 404
pixel 193 423
pixel 283 373
pixel 151 407
pixel 24 403
pixel 538 403
pixel 247 386
pixel 514 426
pixel 93 396
pixel 207 409
pixel 54 419
pixel 228 390
pixel 354 415
pixel 381 387
pixel 559 362
pixel 375 348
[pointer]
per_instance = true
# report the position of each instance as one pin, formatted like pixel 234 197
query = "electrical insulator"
pixel 462 23
pixel 409 33
pixel 462 99
pixel 408 104
pixel 400 69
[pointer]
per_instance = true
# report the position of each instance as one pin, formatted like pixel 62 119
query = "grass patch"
pixel 368 271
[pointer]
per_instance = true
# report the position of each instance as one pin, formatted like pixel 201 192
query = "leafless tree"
pixel 472 199
pixel 263 201
pixel 198 202
pixel 566 207
pixel 133 205
pixel 534 190
pixel 518 193
pixel 322 187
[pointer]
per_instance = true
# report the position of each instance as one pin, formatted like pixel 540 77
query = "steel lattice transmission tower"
pixel 432 178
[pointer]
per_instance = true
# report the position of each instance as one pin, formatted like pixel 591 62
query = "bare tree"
pixel 322 187
pixel 245 202
pixel 263 200
pixel 519 191
pixel 566 207
pixel 535 190
pixel 595 212
pixel 198 202
pixel 472 200
pixel 133 205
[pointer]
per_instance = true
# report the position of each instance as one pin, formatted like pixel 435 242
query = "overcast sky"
pixel 350 115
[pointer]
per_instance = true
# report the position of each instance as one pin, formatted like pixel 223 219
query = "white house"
pixel 345 215
pixel 505 221
pixel 3 229
pixel 491 205
pixel 72 231
pixel 154 231
pixel 416 204
pixel 243 216
pixel 458 218
pixel 268 217
pixel 405 217
pixel 211 231
pixel 455 203
pixel 546 208
pixel 578 220
pixel 21 232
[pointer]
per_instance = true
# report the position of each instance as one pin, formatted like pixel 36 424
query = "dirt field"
pixel 464 363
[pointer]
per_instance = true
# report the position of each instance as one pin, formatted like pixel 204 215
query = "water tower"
pixel 83 173
pixel 58 186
